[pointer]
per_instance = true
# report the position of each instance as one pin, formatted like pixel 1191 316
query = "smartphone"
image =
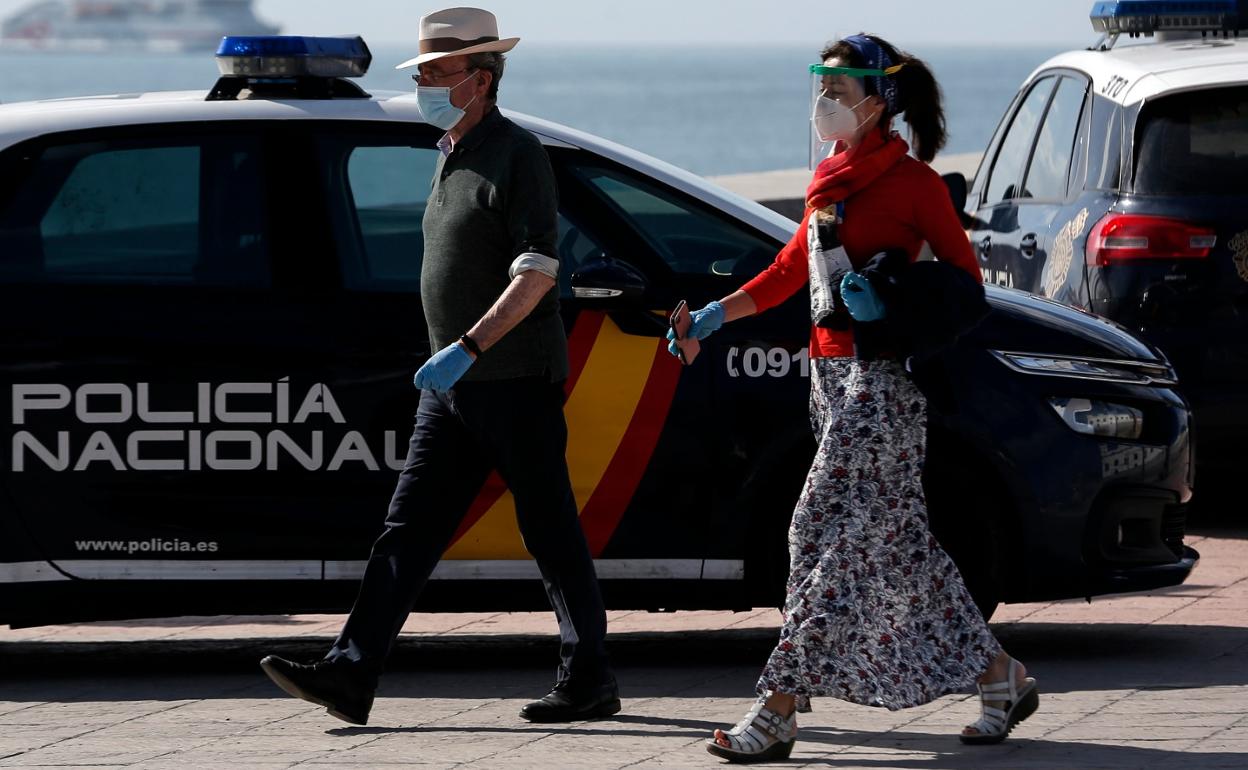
pixel 687 347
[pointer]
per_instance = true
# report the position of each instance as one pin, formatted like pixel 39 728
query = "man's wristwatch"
pixel 471 344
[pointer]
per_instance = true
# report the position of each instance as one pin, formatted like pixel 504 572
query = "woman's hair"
pixel 918 94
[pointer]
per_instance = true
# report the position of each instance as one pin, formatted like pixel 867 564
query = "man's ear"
pixel 483 86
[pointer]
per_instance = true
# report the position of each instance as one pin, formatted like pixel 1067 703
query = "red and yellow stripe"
pixel 620 390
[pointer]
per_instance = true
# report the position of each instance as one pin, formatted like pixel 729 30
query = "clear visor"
pixel 832 105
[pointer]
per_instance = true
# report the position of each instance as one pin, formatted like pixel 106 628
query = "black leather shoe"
pixel 343 692
pixel 569 703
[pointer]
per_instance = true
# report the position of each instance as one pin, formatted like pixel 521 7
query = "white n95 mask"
pixel 834 122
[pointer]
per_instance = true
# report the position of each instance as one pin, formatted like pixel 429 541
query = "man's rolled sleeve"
pixel 547 266
pixel 531 209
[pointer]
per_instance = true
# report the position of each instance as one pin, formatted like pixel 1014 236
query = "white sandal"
pixel 760 736
pixel 1016 704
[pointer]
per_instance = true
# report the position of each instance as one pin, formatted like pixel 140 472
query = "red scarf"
pixel 840 176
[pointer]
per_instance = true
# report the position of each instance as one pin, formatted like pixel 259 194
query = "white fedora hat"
pixel 457 32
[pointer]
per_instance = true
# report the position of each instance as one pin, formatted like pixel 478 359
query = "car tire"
pixel 975 549
pixel 964 509
pixel 965 514
pixel 768 508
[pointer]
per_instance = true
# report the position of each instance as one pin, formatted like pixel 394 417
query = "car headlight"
pixel 1083 368
pixel 1099 418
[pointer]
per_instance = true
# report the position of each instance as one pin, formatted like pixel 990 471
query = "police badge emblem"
pixel 1239 245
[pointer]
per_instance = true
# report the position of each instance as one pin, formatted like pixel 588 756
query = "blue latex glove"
pixel 702 323
pixel 444 369
pixel 860 298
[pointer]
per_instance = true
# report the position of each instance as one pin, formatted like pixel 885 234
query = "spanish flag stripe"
pixel 601 408
pixel 491 491
pixel 601 515
pixel 599 412
pixel 580 344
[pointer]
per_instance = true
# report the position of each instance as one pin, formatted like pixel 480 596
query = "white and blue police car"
pixel 1117 182
pixel 210 315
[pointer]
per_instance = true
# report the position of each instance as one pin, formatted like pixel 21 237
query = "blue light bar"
pixel 286 56
pixel 1145 17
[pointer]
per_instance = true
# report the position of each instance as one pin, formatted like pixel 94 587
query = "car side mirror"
pixel 607 278
pixel 957 185
pixel 956 182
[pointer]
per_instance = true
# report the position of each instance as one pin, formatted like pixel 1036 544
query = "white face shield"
pixel 833 121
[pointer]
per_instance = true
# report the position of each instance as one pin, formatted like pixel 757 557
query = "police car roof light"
pixel 289 56
pixel 1146 17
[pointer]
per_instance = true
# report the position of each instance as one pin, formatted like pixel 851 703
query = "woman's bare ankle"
pixel 999 670
pixel 782 703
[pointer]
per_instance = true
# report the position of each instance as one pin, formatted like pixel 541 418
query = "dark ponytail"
pixel 918 95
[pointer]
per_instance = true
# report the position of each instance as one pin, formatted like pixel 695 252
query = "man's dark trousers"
pixel 517 427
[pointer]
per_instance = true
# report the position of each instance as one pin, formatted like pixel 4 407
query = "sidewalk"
pixel 1157 681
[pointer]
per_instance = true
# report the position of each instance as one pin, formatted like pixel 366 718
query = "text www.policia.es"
pixel 153 545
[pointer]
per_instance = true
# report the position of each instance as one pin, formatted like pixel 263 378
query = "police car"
pixel 210 316
pixel 1116 182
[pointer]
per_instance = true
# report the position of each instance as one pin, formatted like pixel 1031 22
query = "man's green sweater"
pixel 493 199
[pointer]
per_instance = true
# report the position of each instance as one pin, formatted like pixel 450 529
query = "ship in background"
pixel 141 25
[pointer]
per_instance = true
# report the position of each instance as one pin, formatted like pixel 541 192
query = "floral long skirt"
pixel 876 612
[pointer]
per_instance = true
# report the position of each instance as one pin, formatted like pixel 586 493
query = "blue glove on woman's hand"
pixel 860 298
pixel 702 323
pixel 444 369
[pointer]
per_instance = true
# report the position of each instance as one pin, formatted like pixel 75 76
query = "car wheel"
pixel 976 553
pixel 768 506
pixel 965 515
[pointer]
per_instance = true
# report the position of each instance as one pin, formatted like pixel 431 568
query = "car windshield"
pixel 1194 143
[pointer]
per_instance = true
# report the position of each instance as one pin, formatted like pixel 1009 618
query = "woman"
pixel 876 612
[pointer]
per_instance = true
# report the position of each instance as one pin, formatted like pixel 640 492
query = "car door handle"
pixel 985 246
pixel 1028 245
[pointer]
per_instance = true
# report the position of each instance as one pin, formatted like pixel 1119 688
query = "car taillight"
pixel 1127 237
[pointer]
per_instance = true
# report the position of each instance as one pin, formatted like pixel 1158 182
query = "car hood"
pixel 1026 323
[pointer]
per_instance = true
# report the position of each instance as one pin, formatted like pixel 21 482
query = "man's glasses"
pixel 424 79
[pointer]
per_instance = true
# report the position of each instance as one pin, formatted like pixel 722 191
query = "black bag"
pixel 928 305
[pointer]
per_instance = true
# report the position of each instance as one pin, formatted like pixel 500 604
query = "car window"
pixel 132 211
pixel 1105 145
pixel 688 238
pixel 575 247
pixel 1008 167
pixel 378 224
pixel 979 181
pixel 1194 143
pixel 1049 169
pixel 380 186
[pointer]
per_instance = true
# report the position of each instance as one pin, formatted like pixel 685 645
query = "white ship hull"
pixel 144 26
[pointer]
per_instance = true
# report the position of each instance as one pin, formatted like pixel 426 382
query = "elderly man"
pixel 492 395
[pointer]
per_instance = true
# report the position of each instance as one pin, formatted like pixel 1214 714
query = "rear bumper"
pixel 1220 426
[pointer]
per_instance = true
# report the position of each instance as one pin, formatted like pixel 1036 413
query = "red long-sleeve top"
pixel 907 205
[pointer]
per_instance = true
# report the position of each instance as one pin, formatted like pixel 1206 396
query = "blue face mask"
pixel 435 104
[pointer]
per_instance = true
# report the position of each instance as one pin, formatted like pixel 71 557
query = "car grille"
pixel 1130 526
pixel 1173 527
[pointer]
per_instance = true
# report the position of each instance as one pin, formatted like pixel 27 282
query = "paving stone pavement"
pixel 1156 681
